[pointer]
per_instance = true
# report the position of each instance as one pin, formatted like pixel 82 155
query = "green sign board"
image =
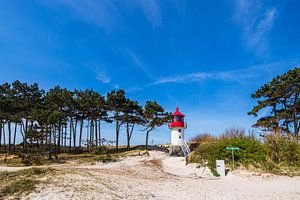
pixel 232 148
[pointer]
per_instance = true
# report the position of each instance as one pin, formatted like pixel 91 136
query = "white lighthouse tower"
pixel 178 145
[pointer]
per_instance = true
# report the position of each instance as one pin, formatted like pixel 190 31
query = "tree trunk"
pixel 129 134
pixel 50 137
pixel 147 137
pixel 286 123
pixel 4 142
pixel 80 132
pixel 9 137
pixel 117 131
pixel 15 134
pixel 65 139
pixel 22 131
pixel 100 139
pixel 91 133
pixel 54 136
pixel 46 138
pixel 87 133
pixel 75 132
pixel 59 135
pixel 25 132
pixel 117 135
pixel 70 140
pixel 0 133
pixel 96 132
pixel 128 139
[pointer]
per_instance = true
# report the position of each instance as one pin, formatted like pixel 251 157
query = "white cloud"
pixel 193 77
pixel 151 11
pixel 101 76
pixel 133 89
pixel 139 63
pixel 255 22
pixel 242 75
pixel 103 13
pixel 99 71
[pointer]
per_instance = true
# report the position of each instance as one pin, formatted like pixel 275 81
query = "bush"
pixel 251 151
pixel 32 159
pixel 34 156
pixel 100 150
pixel 203 138
pixel 283 149
pixel 276 154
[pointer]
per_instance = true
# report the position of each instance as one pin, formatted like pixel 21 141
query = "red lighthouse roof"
pixel 178 113
pixel 177 120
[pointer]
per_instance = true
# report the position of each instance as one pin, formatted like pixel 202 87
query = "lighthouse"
pixel 178 146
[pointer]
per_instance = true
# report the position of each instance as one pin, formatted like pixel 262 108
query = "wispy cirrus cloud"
pixel 256 22
pixel 107 13
pixel 133 89
pixel 242 75
pixel 152 12
pixel 101 76
pixel 99 72
pixel 103 13
pixel 139 63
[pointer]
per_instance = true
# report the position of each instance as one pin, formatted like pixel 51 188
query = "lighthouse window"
pixel 177 119
pixel 179 130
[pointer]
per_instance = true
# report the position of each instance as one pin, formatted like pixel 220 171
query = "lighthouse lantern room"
pixel 177 127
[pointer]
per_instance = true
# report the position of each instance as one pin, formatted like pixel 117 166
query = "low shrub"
pixel 283 150
pixel 276 153
pixel 251 151
pixel 100 150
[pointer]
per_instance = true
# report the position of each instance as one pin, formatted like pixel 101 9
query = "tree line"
pixel 59 118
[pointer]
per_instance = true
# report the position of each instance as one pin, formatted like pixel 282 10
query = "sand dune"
pixel 159 176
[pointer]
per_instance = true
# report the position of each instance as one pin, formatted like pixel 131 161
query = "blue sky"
pixel 207 57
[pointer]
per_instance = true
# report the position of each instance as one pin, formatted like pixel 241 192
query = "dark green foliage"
pixel 32 155
pixel 251 151
pixel 281 97
pixel 100 150
pixel 214 172
pixel 275 153
pixel 49 122
pixel 154 116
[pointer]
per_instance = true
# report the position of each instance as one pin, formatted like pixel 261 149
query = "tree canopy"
pixel 280 100
pixel 50 120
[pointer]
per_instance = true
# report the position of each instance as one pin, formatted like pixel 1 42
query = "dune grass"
pixel 13 184
pixel 100 154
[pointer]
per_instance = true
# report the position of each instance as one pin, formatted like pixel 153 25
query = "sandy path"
pixel 160 177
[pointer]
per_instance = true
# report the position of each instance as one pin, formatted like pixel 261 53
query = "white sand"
pixel 159 176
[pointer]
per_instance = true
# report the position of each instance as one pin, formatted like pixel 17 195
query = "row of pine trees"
pixel 61 117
